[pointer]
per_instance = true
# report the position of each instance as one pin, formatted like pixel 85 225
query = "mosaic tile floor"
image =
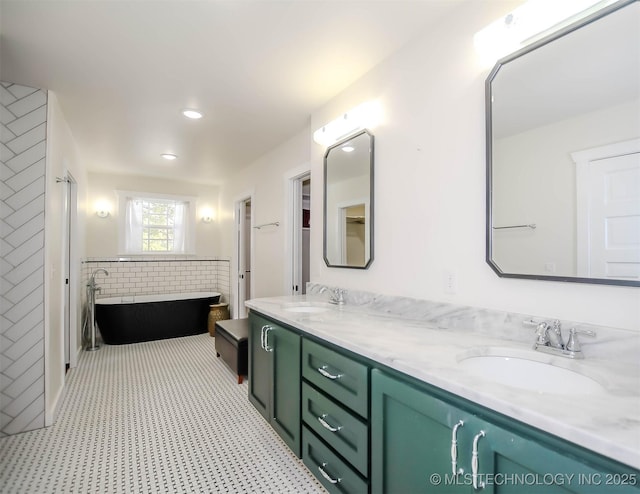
pixel 158 417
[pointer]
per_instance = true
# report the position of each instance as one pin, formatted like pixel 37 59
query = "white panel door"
pixel 614 217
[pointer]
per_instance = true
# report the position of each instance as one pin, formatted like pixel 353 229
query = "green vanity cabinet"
pixel 335 410
pixel 274 377
pixel 416 446
pixel 361 427
pixel 334 473
pixel 338 376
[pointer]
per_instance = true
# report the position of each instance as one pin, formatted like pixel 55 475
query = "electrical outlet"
pixel 550 267
pixel 450 282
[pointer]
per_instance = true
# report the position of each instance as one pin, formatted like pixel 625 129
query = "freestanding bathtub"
pixel 132 319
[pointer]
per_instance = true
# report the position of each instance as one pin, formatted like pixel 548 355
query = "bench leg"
pixel 240 379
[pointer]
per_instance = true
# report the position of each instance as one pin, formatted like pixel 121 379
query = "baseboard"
pixel 52 412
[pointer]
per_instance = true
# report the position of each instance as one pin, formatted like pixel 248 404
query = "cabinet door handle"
pixel 262 336
pixel 323 370
pixel 454 449
pixel 266 339
pixel 326 424
pixel 474 462
pixel 327 476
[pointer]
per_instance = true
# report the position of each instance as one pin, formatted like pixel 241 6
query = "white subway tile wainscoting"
pixel 160 275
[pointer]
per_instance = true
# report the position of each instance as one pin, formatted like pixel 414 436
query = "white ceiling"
pixel 123 71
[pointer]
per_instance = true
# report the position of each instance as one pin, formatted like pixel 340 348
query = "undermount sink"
pixel 307 308
pixel 532 375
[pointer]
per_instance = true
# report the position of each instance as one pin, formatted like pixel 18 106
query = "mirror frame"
pixel 489 150
pixel 371 199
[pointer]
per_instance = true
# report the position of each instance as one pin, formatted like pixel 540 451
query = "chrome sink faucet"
pixel 549 339
pixel 336 296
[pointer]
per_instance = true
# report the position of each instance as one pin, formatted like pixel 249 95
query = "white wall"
pixel 102 233
pixel 62 158
pixel 430 186
pixel 266 181
pixel 429 192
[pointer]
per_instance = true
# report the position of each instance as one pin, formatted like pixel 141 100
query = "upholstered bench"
pixel 231 344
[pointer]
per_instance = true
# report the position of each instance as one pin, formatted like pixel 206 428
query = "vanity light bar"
pixel 364 116
pixel 530 22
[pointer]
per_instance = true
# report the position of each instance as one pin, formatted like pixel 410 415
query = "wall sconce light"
pixel 192 114
pixel 364 116
pixel 528 23
pixel 103 209
pixel 207 215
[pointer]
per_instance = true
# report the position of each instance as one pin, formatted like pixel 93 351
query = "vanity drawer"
pixel 339 428
pixel 334 474
pixel 345 380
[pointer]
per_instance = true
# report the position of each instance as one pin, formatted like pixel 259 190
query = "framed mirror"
pixel 563 154
pixel 348 202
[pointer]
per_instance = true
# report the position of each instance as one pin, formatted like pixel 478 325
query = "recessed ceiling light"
pixel 168 156
pixel 193 114
pixel 347 149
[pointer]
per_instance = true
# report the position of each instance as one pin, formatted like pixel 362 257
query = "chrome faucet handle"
pixel 337 297
pixel 555 334
pixel 573 344
pixel 542 331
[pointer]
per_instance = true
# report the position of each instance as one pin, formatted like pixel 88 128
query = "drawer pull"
pixel 327 476
pixel 454 449
pixel 326 424
pixel 323 370
pixel 474 462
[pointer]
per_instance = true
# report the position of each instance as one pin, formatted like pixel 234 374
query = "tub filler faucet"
pixel 92 280
pixel 90 321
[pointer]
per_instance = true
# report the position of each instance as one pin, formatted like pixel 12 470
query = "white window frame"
pixel 191 201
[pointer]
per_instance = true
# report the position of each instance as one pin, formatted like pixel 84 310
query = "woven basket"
pixel 217 312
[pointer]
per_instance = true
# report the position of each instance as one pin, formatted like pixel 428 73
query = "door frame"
pixel 293 226
pixel 239 310
pixel 342 228
pixel 71 275
pixel 70 263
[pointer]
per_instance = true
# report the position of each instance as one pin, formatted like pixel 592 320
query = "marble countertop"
pixel 606 421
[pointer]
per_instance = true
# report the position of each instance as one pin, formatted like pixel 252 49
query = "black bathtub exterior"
pixel 125 323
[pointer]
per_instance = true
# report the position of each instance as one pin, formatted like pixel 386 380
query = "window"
pixel 156 224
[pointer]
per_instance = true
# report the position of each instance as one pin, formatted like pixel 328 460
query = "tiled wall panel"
pixel 23 115
pixel 159 275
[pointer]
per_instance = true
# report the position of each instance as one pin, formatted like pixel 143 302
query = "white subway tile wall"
pixel 160 275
